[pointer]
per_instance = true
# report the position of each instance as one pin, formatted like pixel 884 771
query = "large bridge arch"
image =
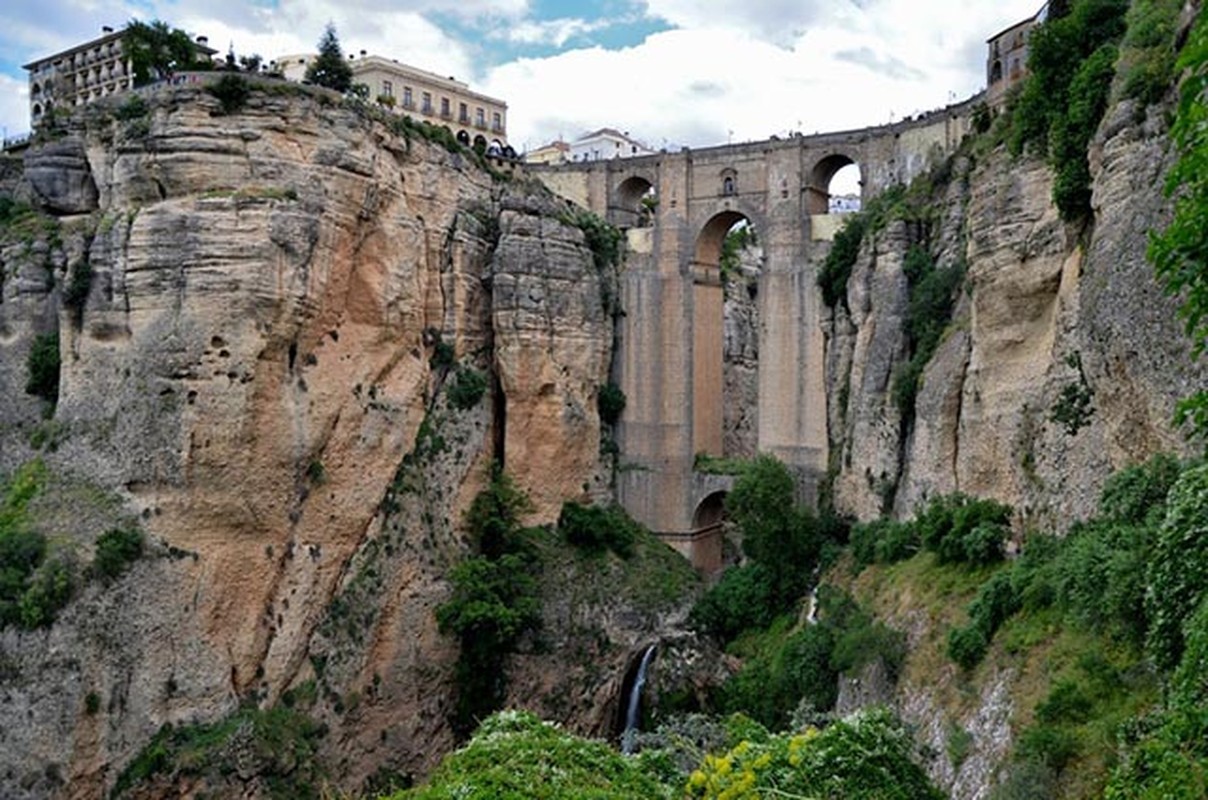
pixel 670 339
pixel 820 177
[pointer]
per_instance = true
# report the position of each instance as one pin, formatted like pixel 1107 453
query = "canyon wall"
pixel 260 315
pixel 1045 306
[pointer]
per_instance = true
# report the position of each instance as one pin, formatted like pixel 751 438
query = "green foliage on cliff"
pixel 35 582
pixel 596 529
pixel 1071 62
pixel 932 297
pixel 43 365
pixel 1147 57
pixel 1180 252
pixel 515 755
pixel 836 270
pixel 495 599
pixel 277 745
pixel 116 550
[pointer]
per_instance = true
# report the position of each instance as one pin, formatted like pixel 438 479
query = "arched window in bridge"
pixel 729 182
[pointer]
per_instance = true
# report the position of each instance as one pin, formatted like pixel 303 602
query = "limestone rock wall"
pixel 1039 299
pixel 250 371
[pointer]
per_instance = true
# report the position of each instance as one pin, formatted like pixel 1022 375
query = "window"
pixel 388 88
pixel 497 121
pixel 480 117
pixel 427 109
pixel 444 107
pixel 727 185
pixel 463 113
pixel 407 102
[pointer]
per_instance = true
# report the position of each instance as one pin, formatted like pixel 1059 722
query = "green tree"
pixel 1180 252
pixel 775 532
pixel 330 69
pixel 156 50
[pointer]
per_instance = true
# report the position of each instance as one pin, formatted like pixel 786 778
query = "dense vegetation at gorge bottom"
pixel 1098 637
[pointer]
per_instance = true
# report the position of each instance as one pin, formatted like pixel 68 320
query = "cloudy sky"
pixel 671 72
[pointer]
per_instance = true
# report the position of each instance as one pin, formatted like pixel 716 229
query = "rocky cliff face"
pixel 1045 307
pixel 255 370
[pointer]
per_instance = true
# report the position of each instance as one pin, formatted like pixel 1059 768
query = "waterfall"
pixel 635 701
pixel 811 610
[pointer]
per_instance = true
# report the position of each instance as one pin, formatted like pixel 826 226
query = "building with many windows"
pixel 473 117
pixel 82 74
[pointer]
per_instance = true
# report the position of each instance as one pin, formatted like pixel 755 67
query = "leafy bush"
pixel 836 270
pixel 1137 494
pixel 1049 745
pixel 513 754
pixel 743 599
pixel 883 541
pixel 43 366
pixel 116 549
pixel 494 516
pixel 1178 569
pixel 598 528
pixel 1100 577
pixel 797 670
pixel 963 529
pixel 867 756
pixel 1147 54
pixel 997 599
pixel 469 385
pixel 135 107
pixel 232 91
pixel 611 402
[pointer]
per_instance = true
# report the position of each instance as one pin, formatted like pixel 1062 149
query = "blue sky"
pixel 671 72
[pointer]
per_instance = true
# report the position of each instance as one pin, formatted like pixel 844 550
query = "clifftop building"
pixel 598 145
pixel 83 73
pixel 1007 57
pixel 473 117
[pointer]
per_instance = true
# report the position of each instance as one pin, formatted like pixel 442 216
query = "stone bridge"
pixel 676 209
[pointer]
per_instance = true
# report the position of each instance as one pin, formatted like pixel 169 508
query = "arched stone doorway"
pixel 708 533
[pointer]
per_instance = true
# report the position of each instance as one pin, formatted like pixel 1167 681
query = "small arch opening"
pixel 996 72
pixel 710 513
pixel 635 203
pixel 836 186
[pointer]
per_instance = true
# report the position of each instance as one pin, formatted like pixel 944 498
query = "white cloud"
pixel 14 106
pixel 556 32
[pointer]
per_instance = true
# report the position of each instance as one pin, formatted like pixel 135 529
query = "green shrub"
pixel 1137 494
pixel 867 756
pixel 515 755
pixel 232 91
pixel 1048 745
pixel 883 541
pixel 598 528
pixel 836 270
pixel 1066 702
pixel 611 403
pixel 1100 577
pixel 967 646
pixel 963 529
pixel 49 589
pixel 92 703
pixel 443 355
pixel 1178 569
pixel 116 549
pixel 997 599
pixel 135 107
pixel 469 385
pixel 75 294
pixel 43 367
pixel 743 599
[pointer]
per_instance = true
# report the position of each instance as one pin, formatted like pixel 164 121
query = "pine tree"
pixel 330 69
